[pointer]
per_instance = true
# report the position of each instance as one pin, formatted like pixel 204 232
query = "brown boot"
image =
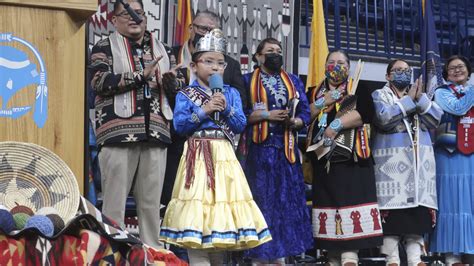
pixel 350 264
pixel 421 264
pixel 393 264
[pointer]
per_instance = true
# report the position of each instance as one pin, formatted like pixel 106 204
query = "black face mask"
pixel 196 39
pixel 273 61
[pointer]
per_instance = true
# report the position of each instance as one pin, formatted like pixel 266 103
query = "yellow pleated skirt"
pixel 225 217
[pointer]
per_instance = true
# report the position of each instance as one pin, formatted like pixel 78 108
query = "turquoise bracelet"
pixel 336 125
pixel 265 114
pixel 319 103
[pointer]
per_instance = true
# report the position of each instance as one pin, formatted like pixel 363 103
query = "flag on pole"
pixel 319 47
pixel 183 20
pixel 430 59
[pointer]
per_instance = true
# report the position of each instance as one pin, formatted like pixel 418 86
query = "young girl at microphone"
pixel 212 208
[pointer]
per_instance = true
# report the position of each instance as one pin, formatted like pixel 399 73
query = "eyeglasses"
pixel 211 63
pixel 125 15
pixel 202 28
pixel 399 71
pixel 456 68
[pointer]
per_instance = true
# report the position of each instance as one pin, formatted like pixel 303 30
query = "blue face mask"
pixel 401 80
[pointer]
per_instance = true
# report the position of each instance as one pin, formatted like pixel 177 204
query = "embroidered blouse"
pixel 188 117
pixel 449 101
pixel 454 103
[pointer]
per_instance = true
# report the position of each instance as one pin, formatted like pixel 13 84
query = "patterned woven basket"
pixel 35 177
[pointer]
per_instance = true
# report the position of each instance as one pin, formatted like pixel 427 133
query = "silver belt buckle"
pixel 209 133
pixel 198 134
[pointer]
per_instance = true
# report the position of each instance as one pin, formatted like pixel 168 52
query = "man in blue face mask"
pixel 399 79
pixel 403 154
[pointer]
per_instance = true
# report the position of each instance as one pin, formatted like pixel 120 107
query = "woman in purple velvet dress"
pixel 273 167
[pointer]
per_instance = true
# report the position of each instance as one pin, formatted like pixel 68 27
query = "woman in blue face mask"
pixel 404 162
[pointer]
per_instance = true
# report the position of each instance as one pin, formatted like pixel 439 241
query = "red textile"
pixel 167 257
pixel 88 248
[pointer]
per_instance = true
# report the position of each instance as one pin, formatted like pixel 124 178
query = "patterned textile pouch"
pixel 243 148
pixel 344 141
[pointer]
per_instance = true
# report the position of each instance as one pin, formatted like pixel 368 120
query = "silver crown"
pixel 213 41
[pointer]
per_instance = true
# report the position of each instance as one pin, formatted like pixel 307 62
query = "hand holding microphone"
pixel 217 103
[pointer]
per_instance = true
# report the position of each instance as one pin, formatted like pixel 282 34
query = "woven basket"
pixel 35 177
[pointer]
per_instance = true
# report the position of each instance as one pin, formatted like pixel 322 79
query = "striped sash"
pixel 197 96
pixel 258 95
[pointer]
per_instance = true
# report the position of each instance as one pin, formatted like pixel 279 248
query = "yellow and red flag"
pixel 183 20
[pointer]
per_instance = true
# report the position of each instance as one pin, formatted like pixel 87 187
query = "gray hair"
pixel 211 15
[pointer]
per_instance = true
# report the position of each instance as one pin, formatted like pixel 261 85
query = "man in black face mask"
pixel 204 22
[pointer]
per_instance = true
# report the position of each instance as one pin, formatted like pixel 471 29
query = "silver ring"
pixel 335 95
pixel 328 142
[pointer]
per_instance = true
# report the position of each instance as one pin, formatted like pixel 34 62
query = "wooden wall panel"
pixel 80 5
pixel 60 40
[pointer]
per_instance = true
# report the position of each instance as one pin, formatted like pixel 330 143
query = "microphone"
pixel 216 84
pixel 131 12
